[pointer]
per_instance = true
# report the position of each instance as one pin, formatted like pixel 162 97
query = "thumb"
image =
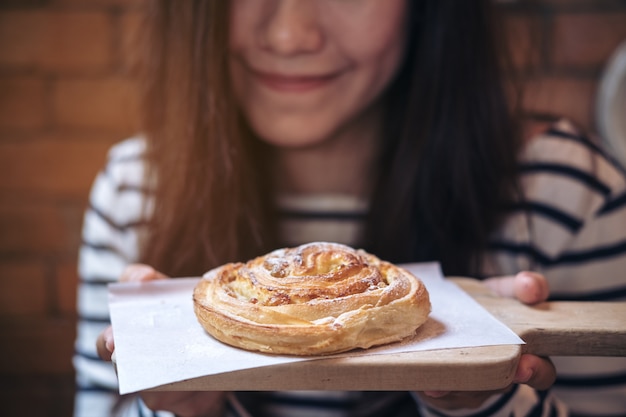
pixel 527 287
pixel 105 344
pixel 535 371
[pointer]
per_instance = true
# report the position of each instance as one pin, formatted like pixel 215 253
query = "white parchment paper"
pixel 159 341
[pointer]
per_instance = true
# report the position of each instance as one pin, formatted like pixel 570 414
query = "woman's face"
pixel 304 70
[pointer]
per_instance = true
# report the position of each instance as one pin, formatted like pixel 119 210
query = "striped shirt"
pixel 571 227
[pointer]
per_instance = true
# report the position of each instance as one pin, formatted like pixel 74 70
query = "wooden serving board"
pixel 549 329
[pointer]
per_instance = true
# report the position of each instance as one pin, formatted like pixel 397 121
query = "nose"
pixel 292 27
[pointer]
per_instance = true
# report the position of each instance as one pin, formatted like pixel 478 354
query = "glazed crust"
pixel 315 299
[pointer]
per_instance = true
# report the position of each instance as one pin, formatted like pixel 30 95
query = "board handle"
pixel 558 328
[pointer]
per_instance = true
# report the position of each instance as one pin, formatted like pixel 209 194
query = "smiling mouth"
pixel 294 83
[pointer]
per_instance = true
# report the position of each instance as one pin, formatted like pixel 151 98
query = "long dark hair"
pixel 210 205
pixel 448 164
pixel 449 169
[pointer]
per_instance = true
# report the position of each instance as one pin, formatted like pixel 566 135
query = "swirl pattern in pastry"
pixel 318 298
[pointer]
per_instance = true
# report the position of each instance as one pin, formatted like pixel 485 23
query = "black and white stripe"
pixel 571 227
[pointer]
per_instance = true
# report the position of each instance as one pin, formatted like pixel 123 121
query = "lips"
pixel 294 83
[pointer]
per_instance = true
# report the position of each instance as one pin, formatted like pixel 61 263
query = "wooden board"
pixel 549 329
pixel 558 328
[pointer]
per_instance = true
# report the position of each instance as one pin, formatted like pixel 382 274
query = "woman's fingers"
pixel 535 371
pixel 140 273
pixel 530 287
pixel 105 344
pixel 527 287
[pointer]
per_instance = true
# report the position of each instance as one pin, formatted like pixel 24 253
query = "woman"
pixel 383 125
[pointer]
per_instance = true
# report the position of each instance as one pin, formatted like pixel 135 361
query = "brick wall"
pixel 561 47
pixel 66 96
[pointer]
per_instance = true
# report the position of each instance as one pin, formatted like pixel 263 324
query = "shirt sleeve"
pixel 112 224
pixel 519 401
pixel 571 223
pixel 571 227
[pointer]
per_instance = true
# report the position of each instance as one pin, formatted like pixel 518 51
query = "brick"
pixel 109 104
pixel 585 41
pixel 56 41
pixel 525 36
pixel 567 97
pixel 37 345
pixel 22 102
pixel 129 27
pixel 53 165
pixel 21 36
pixel 80 40
pixel 101 3
pixel 22 289
pixel 22 3
pixel 37 394
pixel 34 229
pixel 66 283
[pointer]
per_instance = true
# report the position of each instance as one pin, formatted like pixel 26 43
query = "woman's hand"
pixel 132 273
pixel 535 371
pixel 183 404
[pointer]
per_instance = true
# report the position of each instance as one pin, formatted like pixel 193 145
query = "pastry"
pixel 314 299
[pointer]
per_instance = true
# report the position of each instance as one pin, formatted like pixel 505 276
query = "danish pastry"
pixel 318 298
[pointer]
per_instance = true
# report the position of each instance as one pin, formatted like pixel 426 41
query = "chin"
pixel 300 136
